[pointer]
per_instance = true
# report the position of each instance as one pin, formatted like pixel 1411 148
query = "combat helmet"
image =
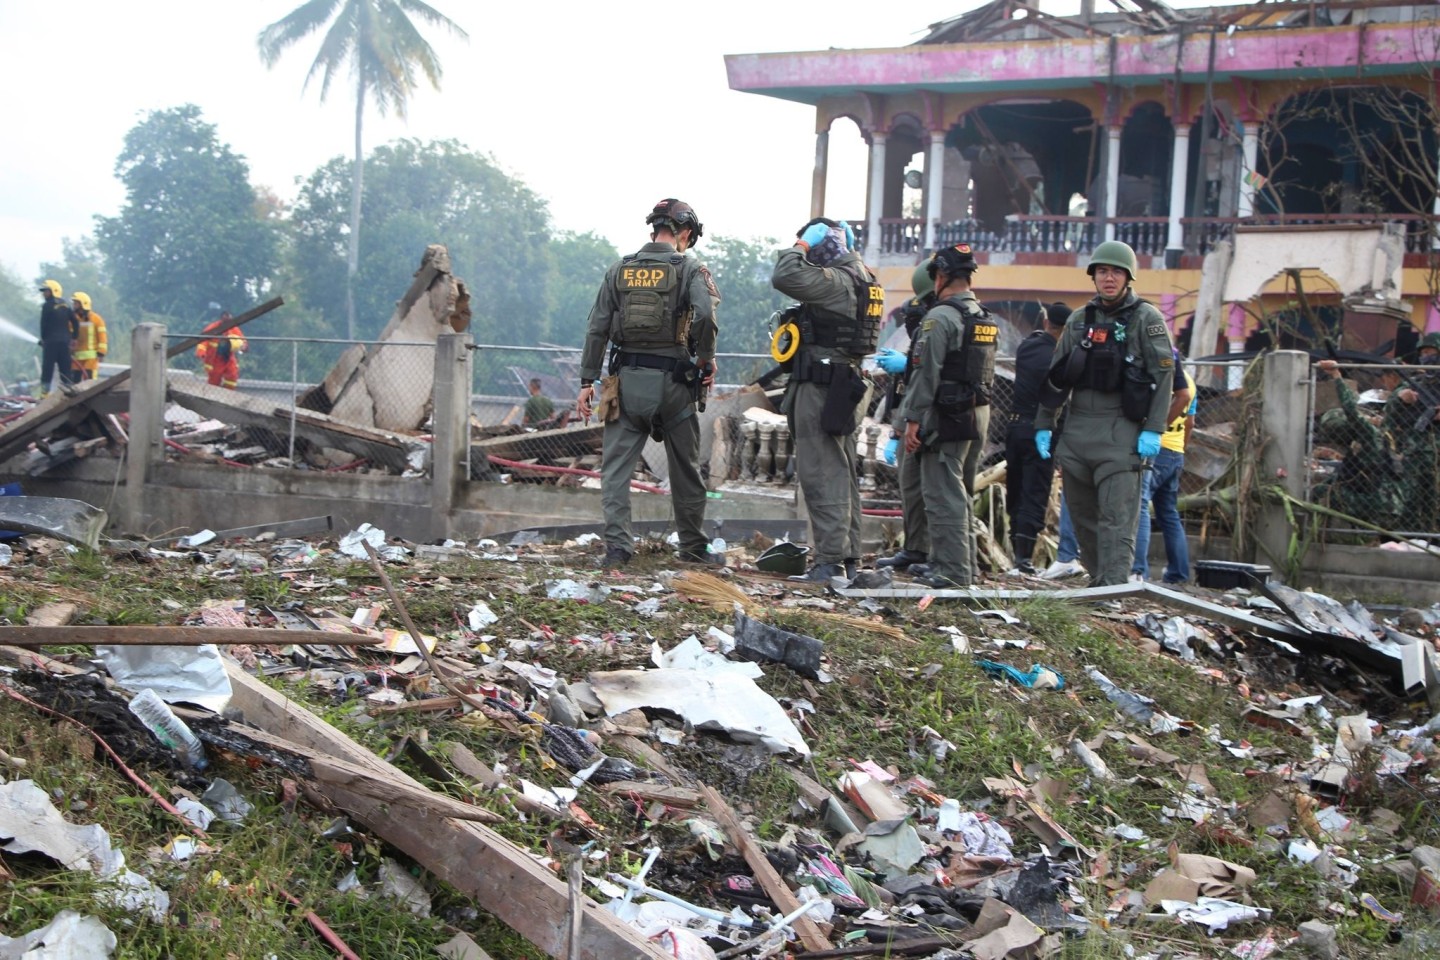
pixel 921 281
pixel 953 261
pixel 678 215
pixel 1114 253
pixel 1430 340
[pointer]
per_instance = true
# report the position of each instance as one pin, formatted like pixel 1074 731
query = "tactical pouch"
pixel 609 407
pixel 955 412
pixel 222 349
pixel 1137 389
pixel 837 418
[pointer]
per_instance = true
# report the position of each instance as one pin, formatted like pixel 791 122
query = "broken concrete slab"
pixel 388 385
pixel 73 521
pixel 381 447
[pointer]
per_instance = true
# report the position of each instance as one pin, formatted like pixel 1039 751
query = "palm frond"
pixel 298 24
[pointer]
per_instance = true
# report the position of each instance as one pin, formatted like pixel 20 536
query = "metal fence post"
pixel 294 394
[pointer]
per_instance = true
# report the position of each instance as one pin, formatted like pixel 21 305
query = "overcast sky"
pixel 601 108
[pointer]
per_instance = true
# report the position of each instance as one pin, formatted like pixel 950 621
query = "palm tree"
pixel 384 51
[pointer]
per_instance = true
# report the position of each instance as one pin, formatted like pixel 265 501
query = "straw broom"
pixel 721 595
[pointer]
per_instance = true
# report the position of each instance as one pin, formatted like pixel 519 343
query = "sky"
pixel 600 108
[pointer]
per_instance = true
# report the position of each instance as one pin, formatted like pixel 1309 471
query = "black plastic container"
pixel 1226 574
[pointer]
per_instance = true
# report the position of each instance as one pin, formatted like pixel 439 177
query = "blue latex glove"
pixel 814 235
pixel 891 449
pixel 1149 444
pixel 849 234
pixel 1042 443
pixel 890 361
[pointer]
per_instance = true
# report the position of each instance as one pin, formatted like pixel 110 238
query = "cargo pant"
pixel 912 500
pixel 646 394
pixel 826 467
pixel 973 456
pixel 947 505
pixel 1096 456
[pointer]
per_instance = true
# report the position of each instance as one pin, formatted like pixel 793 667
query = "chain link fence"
pixel 1375 452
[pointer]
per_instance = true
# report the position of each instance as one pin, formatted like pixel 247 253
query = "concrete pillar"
pixel 1179 177
pixel 817 179
pixel 1112 178
pixel 873 244
pixel 450 449
pixel 934 186
pixel 1284 418
pixel 146 446
pixel 1250 150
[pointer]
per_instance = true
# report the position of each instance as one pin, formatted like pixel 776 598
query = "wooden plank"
pixel 775 887
pixel 43 636
pixel 669 795
pixel 505 880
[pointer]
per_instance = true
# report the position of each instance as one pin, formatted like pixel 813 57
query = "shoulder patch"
pixel 927 324
pixel 1166 363
pixel 1155 330
pixel 709 281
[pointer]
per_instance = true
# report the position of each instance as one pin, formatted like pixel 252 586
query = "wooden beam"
pixel 505 880
pixel 775 887
pixel 175 636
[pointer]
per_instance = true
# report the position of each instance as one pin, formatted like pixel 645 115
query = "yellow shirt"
pixel 1174 437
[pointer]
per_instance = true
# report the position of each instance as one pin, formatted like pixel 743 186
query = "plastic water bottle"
pixel 1131 704
pixel 168 728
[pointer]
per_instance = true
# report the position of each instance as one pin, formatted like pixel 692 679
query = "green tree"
pixel 384 51
pixel 496 229
pixel 190 232
pixel 578 262
pixel 742 273
pixel 19 325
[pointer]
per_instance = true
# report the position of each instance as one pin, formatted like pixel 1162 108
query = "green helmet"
pixel 1115 254
pixel 1431 340
pixel 921 281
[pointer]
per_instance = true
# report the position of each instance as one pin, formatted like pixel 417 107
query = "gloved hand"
pixel 890 361
pixel 1042 443
pixel 1149 444
pixel 891 449
pixel 849 234
pixel 814 235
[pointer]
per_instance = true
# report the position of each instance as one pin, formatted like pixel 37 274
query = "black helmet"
pixel 678 215
pixel 953 261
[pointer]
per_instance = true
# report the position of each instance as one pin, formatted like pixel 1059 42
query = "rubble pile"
pixel 738 766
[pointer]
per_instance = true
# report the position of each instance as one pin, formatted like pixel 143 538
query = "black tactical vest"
pixel 974 362
pixel 650 293
pixel 1098 361
pixel 858 334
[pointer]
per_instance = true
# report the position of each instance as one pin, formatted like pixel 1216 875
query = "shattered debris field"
pixel 572 762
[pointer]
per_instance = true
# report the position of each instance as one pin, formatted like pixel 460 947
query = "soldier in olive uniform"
pixel 842 308
pixel 1412 418
pixel 1114 365
pixel 656 308
pixel 916 548
pixel 954 368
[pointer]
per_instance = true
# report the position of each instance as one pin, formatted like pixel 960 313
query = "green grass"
pixel 882 694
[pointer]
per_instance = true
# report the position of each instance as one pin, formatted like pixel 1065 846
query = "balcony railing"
pixel 1202 233
pixel 1147 235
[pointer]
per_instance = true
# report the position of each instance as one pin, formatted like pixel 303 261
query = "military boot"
pixel 902 559
pixel 820 573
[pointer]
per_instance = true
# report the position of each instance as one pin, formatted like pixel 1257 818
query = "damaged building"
pixel 1035 137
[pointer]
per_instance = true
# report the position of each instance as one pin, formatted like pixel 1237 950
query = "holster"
pixel 955 405
pixel 846 387
pixel 609 407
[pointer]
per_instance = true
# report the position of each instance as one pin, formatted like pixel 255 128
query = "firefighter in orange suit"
pixel 221 354
pixel 91 342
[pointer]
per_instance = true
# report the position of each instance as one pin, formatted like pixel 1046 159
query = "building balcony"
pixel 904 237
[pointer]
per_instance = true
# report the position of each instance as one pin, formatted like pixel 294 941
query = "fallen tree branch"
pixel 176 636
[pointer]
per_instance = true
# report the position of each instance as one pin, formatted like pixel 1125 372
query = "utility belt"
pixel 682 370
pixel 844 389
